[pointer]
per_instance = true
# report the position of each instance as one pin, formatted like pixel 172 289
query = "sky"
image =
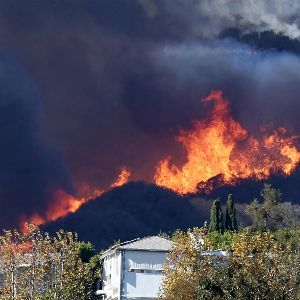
pixel 90 86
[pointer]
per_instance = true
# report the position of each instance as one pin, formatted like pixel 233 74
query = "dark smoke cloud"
pixel 29 170
pixel 263 86
pixel 118 78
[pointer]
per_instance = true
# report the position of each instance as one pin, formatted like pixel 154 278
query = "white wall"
pixel 142 273
pixel 112 274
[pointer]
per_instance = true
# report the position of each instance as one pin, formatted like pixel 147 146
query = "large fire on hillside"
pixel 219 151
pixel 64 203
pixel 219 148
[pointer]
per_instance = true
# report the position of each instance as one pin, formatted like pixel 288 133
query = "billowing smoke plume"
pixel 209 18
pixel 30 171
pixel 119 78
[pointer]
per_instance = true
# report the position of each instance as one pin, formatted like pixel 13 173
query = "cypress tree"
pixel 230 219
pixel 216 217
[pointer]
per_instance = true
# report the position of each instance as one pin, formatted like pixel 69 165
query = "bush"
pixel 257 266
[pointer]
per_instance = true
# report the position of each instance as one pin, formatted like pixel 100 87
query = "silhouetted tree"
pixel 271 214
pixel 216 217
pixel 230 218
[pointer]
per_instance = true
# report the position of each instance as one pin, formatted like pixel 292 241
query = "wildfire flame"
pixel 219 151
pixel 65 203
pixel 219 146
pixel 122 178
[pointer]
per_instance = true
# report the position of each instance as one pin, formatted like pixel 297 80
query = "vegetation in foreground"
pixel 217 261
pixel 258 262
pixel 37 266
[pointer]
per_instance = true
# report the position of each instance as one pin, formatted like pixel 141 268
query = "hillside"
pixel 130 211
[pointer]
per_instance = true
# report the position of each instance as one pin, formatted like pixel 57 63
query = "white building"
pixel 133 270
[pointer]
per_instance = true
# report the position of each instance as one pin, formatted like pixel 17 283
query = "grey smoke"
pixel 208 18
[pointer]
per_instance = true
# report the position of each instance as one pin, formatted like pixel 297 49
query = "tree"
pixel 181 272
pixel 86 251
pixel 271 214
pixel 230 218
pixel 36 266
pixel 257 266
pixel 95 266
pixel 216 217
pixel 216 240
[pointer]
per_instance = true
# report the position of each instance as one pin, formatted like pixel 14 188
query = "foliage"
pixel 180 282
pixel 270 214
pixel 288 236
pixel 86 251
pixel 37 266
pixel 230 218
pixel 216 217
pixel 216 240
pixel 257 266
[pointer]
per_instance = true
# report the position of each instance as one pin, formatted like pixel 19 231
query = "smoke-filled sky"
pixel 90 86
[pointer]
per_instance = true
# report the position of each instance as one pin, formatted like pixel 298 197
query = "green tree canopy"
pixel 86 251
pixel 216 217
pixel 230 219
pixel 270 214
pixel 257 266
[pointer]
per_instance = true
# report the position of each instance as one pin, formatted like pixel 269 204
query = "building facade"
pixel 133 270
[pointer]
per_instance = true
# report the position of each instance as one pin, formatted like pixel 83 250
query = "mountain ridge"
pixel 133 210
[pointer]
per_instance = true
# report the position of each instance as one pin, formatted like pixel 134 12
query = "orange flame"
pixel 62 204
pixel 219 145
pixel 65 203
pixel 123 177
